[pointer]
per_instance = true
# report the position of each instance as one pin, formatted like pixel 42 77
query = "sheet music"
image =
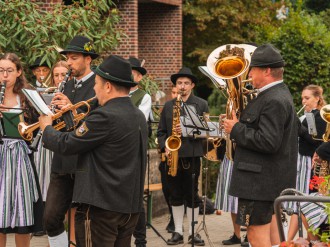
pixel 213 131
pixel 36 100
pixel 311 123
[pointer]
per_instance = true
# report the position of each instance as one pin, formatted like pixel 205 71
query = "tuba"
pixel 173 142
pixel 325 115
pixel 321 167
pixel 230 63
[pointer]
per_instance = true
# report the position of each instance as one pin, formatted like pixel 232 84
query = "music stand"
pixel 193 125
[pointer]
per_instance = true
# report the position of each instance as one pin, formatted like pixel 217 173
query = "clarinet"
pixel 2 97
pixel 34 145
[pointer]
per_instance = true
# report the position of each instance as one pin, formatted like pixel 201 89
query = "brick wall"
pixel 160 39
pixel 129 24
pixel 47 3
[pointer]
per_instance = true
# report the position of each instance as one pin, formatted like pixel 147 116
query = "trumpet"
pixel 26 131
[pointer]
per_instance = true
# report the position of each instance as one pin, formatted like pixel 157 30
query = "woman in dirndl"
pixel 21 203
pixel 226 202
pixel 312 99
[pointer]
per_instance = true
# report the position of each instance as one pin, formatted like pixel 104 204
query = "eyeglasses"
pixel 9 71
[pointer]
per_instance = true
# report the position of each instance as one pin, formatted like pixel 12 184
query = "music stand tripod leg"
pixel 202 225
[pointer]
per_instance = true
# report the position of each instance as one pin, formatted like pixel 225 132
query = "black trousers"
pixel 59 198
pixel 106 228
pixel 180 186
pixel 163 168
pixel 140 231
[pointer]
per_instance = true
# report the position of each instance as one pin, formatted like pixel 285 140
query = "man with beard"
pixel 180 186
pixel 80 54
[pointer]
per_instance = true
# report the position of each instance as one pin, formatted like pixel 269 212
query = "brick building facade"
pixel 154 33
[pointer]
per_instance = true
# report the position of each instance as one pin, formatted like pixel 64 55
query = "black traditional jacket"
pixel 265 161
pixel 64 164
pixel 112 148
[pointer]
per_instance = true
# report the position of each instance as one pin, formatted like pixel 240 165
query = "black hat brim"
pixel 278 64
pixel 174 77
pixel 142 70
pixel 118 81
pixel 92 54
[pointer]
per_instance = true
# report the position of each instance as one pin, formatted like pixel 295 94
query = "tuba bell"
pixel 230 63
pixel 325 115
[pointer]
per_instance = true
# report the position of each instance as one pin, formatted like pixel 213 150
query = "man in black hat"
pixel 142 100
pixel 80 54
pixel 266 147
pixel 111 145
pixel 41 72
pixel 189 156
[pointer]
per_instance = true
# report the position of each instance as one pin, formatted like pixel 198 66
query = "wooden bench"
pixel 148 194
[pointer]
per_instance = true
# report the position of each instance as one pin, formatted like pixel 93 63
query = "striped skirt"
pixel 223 201
pixel 43 160
pixel 314 214
pixel 304 166
pixel 18 188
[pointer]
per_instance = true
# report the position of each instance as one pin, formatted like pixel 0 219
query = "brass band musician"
pixel 79 53
pixel 188 156
pixel 266 147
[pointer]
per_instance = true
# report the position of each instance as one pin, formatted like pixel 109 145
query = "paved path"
pixel 219 227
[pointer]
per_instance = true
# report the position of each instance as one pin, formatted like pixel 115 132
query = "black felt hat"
pixel 184 72
pixel 37 63
pixel 137 65
pixel 267 56
pixel 82 45
pixel 116 69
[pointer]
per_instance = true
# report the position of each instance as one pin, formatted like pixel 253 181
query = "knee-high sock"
pixel 59 240
pixel 189 216
pixel 178 212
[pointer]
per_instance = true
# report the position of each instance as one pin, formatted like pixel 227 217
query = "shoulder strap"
pixel 137 97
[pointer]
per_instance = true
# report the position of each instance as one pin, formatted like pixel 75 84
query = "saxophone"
pixel 173 142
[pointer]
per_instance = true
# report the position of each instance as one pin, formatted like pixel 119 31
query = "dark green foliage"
pixel 30 32
pixel 304 42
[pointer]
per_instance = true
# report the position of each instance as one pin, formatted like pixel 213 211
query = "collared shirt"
pixel 269 86
pixel 78 83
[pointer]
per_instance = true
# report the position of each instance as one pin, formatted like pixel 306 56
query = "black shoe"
pixel 245 242
pixel 198 241
pixel 232 240
pixel 176 239
pixel 170 227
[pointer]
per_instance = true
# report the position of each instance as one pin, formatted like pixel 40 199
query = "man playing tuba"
pixel 266 147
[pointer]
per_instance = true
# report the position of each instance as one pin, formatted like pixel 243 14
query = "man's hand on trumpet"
pixel 45 120
pixel 228 124
pixel 60 100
